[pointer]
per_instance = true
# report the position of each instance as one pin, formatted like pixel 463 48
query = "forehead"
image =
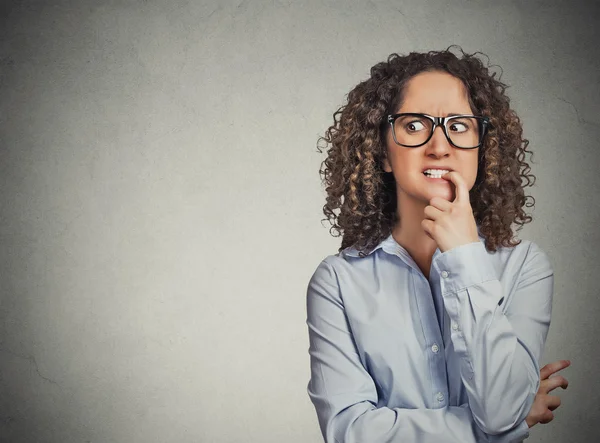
pixel 435 92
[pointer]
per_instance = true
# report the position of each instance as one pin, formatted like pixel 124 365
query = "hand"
pixel 544 404
pixel 451 224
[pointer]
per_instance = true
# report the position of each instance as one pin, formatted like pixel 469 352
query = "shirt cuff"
pixel 516 435
pixel 464 266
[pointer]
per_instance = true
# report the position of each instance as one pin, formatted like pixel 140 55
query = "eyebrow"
pixel 454 114
pixel 449 114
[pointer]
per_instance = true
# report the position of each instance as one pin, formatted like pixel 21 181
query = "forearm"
pixel 362 422
pixel 499 364
pixel 499 373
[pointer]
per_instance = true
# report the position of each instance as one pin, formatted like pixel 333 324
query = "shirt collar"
pixel 390 246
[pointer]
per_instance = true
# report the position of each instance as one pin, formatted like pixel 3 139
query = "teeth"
pixel 435 173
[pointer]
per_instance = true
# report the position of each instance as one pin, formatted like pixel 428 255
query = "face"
pixel 438 94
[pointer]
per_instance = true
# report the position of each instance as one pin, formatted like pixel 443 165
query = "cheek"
pixel 473 169
pixel 469 167
pixel 404 162
pixel 475 164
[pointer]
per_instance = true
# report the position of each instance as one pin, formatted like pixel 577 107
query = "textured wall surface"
pixel 160 202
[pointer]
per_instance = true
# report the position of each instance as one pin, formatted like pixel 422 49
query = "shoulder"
pixel 526 256
pixel 327 270
pixel 525 265
pixel 340 273
pixel 535 263
pixel 347 264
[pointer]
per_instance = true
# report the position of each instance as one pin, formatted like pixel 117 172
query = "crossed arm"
pixel 500 350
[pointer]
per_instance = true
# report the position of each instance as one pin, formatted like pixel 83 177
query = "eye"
pixel 415 126
pixel 458 127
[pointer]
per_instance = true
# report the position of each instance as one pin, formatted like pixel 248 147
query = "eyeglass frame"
pixel 440 121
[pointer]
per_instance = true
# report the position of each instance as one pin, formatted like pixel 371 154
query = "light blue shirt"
pixel 397 357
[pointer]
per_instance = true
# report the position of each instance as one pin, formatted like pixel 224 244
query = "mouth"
pixel 435 173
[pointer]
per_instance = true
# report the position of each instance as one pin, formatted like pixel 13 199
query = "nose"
pixel 439 146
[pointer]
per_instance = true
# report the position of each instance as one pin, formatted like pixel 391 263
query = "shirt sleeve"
pixel 345 396
pixel 499 335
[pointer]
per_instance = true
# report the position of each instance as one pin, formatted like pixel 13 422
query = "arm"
pixel 500 336
pixel 345 395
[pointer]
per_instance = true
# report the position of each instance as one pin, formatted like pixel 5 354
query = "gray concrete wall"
pixel 160 202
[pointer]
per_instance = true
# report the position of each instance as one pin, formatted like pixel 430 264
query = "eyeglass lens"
pixel 413 130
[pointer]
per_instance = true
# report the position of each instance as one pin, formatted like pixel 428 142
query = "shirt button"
pixel 435 348
pixel 454 326
pixel 440 397
pixel 445 274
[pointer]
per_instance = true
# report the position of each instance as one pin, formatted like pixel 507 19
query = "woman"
pixel 429 323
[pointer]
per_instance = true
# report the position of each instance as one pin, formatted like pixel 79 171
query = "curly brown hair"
pixel 365 195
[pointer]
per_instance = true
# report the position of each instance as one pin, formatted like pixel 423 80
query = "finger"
pixel 553 382
pixel 440 203
pixel 547 417
pixel 427 226
pixel 553 367
pixel 552 402
pixel 461 191
pixel 432 213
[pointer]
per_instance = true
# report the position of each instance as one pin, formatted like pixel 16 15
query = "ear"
pixel 386 165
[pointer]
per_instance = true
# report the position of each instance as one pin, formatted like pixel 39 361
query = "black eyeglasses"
pixel 462 131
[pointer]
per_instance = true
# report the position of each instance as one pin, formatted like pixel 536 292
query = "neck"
pixel 409 233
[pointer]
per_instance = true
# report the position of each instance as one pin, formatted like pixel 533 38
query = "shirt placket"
pixel 434 344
